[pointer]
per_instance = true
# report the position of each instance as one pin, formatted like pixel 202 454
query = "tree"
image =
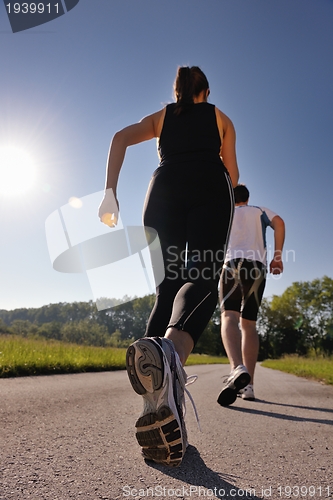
pixel 3 327
pixel 20 327
pixel 298 320
pixel 50 330
pixel 84 332
pixel 210 341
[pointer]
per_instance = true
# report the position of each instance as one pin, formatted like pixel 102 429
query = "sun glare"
pixel 17 171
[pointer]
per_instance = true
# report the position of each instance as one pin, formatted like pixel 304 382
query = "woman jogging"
pixel 190 204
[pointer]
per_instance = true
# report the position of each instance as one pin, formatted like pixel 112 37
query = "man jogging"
pixel 242 286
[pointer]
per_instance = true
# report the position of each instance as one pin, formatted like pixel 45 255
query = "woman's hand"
pixel 108 211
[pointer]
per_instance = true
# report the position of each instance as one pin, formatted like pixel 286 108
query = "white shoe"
pixel 238 378
pixel 247 393
pixel 155 372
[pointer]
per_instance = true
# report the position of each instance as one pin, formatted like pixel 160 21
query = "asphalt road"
pixel 72 437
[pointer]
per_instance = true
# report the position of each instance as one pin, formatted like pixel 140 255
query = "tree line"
pixel 299 321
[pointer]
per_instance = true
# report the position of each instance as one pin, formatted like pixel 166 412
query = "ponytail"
pixel 189 83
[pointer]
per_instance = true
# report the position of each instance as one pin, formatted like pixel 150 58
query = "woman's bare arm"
pixel 228 149
pixel 148 128
pixel 145 130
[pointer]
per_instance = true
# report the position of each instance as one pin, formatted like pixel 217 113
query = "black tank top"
pixel 192 136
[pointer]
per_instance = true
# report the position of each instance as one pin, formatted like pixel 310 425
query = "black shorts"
pixel 242 287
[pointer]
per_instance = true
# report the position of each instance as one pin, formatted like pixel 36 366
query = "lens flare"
pixel 110 220
pixel 17 171
pixel 75 202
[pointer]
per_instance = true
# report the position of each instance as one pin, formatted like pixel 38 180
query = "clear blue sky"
pixel 67 86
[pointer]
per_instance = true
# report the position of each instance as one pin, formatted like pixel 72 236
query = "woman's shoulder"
pixel 170 106
pixel 218 111
pixel 223 119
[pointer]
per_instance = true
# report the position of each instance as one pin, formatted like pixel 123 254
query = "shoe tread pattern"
pixel 160 437
pixel 150 365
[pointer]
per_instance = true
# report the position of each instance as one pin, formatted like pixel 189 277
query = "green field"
pixel 21 357
pixel 315 368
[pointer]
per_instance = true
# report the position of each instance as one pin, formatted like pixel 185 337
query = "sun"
pixel 17 171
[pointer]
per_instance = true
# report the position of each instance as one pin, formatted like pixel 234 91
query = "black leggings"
pixel 191 208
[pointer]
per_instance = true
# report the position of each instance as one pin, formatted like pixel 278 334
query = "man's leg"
pixel 239 377
pixel 250 345
pixel 254 281
pixel 231 337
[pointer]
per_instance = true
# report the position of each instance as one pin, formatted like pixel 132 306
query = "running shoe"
pixel 237 380
pixel 155 372
pixel 247 393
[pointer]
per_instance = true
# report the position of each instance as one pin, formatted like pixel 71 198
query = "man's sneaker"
pixel 155 372
pixel 238 379
pixel 247 393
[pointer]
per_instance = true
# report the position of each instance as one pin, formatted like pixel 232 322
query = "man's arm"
pixel 276 265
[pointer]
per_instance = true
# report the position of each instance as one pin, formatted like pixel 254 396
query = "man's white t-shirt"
pixel 248 233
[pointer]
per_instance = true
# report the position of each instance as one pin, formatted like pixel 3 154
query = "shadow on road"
pixel 198 478
pixel 326 410
pixel 285 416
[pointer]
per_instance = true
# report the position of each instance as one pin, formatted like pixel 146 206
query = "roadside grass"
pixel 205 359
pixel 317 368
pixel 27 356
pixel 21 357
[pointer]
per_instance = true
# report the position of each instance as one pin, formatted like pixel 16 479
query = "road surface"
pixel 72 437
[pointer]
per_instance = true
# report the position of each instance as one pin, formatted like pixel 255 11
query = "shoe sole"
pixel 228 395
pixel 158 430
